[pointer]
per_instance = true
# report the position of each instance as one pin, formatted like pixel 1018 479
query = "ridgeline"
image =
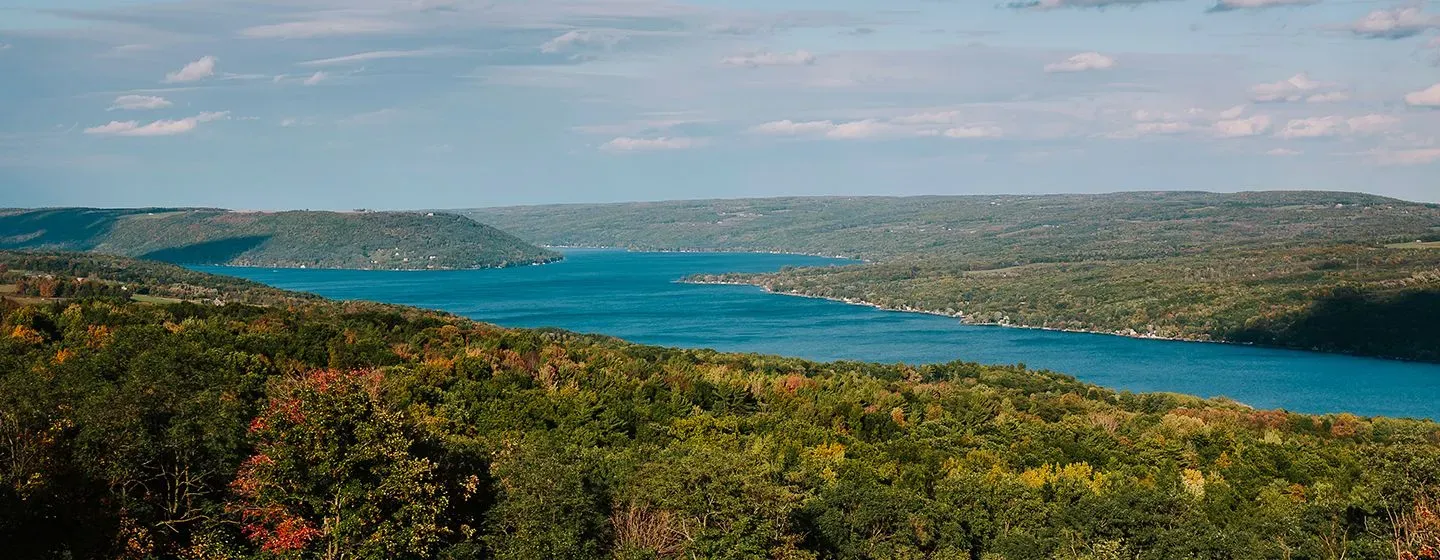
pixel 296 239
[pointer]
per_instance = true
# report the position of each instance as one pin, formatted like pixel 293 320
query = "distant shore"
pixel 966 320
pixel 516 264
pixel 726 251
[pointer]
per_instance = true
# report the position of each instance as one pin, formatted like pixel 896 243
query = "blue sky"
pixel 271 104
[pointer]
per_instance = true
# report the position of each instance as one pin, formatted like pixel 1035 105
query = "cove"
pixel 635 296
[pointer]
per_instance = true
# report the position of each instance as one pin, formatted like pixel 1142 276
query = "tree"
pixel 334 475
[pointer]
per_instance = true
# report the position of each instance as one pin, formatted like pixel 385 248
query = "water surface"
pixel 634 296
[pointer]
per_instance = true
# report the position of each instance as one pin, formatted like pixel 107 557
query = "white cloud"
pixel 5 46
pixel 1057 4
pixel 1428 97
pixel 938 117
pixel 1163 127
pixel 155 128
pixel 1298 88
pixel 859 130
pixel 1227 5
pixel 1314 127
pixel 978 131
pixel 316 78
pixel 1395 23
pixel 1283 152
pixel 1237 128
pixel 293 122
pixel 628 144
pixel 766 58
pixel 194 71
pixel 1371 124
pixel 1082 62
pixel 788 127
pixel 1322 127
pixel 870 128
pixel 139 103
pixel 576 39
pixel 852 130
pixel 1417 156
pixel 1160 123
pixel 132 48
pixel 323 28
pixel 1331 97
pixel 1191 114
pixel 377 55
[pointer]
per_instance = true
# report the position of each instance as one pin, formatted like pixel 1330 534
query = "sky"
pixel 399 104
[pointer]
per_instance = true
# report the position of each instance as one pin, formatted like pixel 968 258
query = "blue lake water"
pixel 634 296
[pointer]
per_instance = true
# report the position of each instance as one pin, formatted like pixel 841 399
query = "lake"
pixel 635 296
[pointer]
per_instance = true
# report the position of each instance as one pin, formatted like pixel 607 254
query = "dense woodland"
pixel 311 429
pixel 359 240
pixel 1338 272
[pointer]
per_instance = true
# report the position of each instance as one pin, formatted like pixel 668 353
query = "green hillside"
pixel 312 429
pixel 362 240
pixel 1339 272
pixel 994 230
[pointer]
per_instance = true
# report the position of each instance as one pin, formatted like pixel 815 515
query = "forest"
pixel 294 239
pixel 301 428
pixel 1311 270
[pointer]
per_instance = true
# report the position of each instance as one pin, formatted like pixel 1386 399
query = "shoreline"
pixel 964 320
pixel 373 269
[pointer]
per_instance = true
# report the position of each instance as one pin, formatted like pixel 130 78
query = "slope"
pixel 378 240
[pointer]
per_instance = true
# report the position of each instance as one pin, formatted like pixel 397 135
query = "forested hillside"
pixel 985 230
pixel 363 240
pixel 1338 272
pixel 310 429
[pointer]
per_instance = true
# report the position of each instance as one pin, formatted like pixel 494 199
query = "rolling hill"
pixel 1337 272
pixel 360 240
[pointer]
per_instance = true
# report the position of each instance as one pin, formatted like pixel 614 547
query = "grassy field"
pixel 1415 245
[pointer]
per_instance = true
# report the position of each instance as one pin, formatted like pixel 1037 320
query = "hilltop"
pixel 1338 272
pixel 154 429
pixel 294 239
